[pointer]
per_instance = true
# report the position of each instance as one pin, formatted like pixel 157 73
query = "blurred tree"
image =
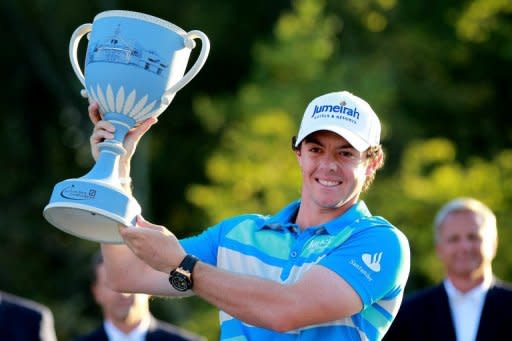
pixel 446 84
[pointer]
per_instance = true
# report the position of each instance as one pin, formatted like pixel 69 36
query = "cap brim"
pixel 354 140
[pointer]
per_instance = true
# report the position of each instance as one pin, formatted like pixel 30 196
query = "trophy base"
pixel 91 209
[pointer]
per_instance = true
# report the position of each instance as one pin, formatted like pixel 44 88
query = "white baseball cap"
pixel 344 114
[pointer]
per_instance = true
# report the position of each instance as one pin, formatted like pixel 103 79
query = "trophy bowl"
pixel 134 65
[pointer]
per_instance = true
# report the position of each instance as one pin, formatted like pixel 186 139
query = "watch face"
pixel 180 281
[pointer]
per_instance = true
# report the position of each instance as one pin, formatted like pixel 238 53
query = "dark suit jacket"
pixel 426 315
pixel 158 331
pixel 25 320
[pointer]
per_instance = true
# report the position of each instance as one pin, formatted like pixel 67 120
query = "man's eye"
pixel 474 237
pixel 453 239
pixel 347 153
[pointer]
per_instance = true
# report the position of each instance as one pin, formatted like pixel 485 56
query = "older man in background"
pixel 471 303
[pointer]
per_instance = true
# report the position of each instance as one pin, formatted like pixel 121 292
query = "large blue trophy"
pixel 134 66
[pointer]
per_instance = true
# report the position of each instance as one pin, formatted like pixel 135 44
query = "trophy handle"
pixel 73 48
pixel 201 59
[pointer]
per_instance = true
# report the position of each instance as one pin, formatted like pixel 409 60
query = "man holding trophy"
pixel 323 268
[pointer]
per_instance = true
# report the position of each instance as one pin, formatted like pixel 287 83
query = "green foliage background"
pixel 437 73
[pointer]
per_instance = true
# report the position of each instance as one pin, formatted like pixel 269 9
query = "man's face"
pixel 116 306
pixel 465 247
pixel 333 172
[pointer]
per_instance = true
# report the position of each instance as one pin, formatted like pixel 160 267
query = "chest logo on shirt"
pixel 372 261
pixel 317 246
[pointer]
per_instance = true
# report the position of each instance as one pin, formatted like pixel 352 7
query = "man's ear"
pixel 96 293
pixel 374 163
pixel 298 155
pixel 438 251
pixel 296 149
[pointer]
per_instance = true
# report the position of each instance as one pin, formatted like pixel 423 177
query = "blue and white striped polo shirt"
pixel 367 251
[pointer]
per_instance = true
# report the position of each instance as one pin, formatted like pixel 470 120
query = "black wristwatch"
pixel 181 277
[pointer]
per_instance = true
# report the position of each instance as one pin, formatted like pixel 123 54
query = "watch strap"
pixel 188 263
pixel 181 277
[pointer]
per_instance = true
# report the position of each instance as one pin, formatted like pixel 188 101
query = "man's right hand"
pixel 104 130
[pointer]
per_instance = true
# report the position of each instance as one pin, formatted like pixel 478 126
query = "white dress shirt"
pixel 138 334
pixel 466 308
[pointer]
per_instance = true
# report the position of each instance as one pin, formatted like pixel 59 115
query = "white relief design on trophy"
pixel 138 107
pixel 142 114
pixel 120 100
pixel 101 98
pixel 110 99
pixel 130 101
pixel 118 103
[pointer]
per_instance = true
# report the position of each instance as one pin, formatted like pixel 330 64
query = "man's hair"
pixel 488 219
pixel 372 153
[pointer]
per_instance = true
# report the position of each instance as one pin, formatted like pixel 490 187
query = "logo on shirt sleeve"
pixel 372 261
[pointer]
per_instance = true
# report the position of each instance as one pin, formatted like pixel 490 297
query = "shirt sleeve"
pixel 375 262
pixel 204 246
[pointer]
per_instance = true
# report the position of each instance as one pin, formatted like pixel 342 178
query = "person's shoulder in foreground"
pixel 22 319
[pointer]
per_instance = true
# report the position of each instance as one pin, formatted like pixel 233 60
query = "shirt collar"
pixel 354 213
pixel 286 217
pixel 137 334
pixel 475 293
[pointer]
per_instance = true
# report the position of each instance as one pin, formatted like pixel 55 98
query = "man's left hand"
pixel 154 244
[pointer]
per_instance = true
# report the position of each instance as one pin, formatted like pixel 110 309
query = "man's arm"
pixel 319 296
pixel 124 270
pixel 104 130
pixel 127 273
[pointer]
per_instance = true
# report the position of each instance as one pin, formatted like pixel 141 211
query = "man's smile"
pixel 328 183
